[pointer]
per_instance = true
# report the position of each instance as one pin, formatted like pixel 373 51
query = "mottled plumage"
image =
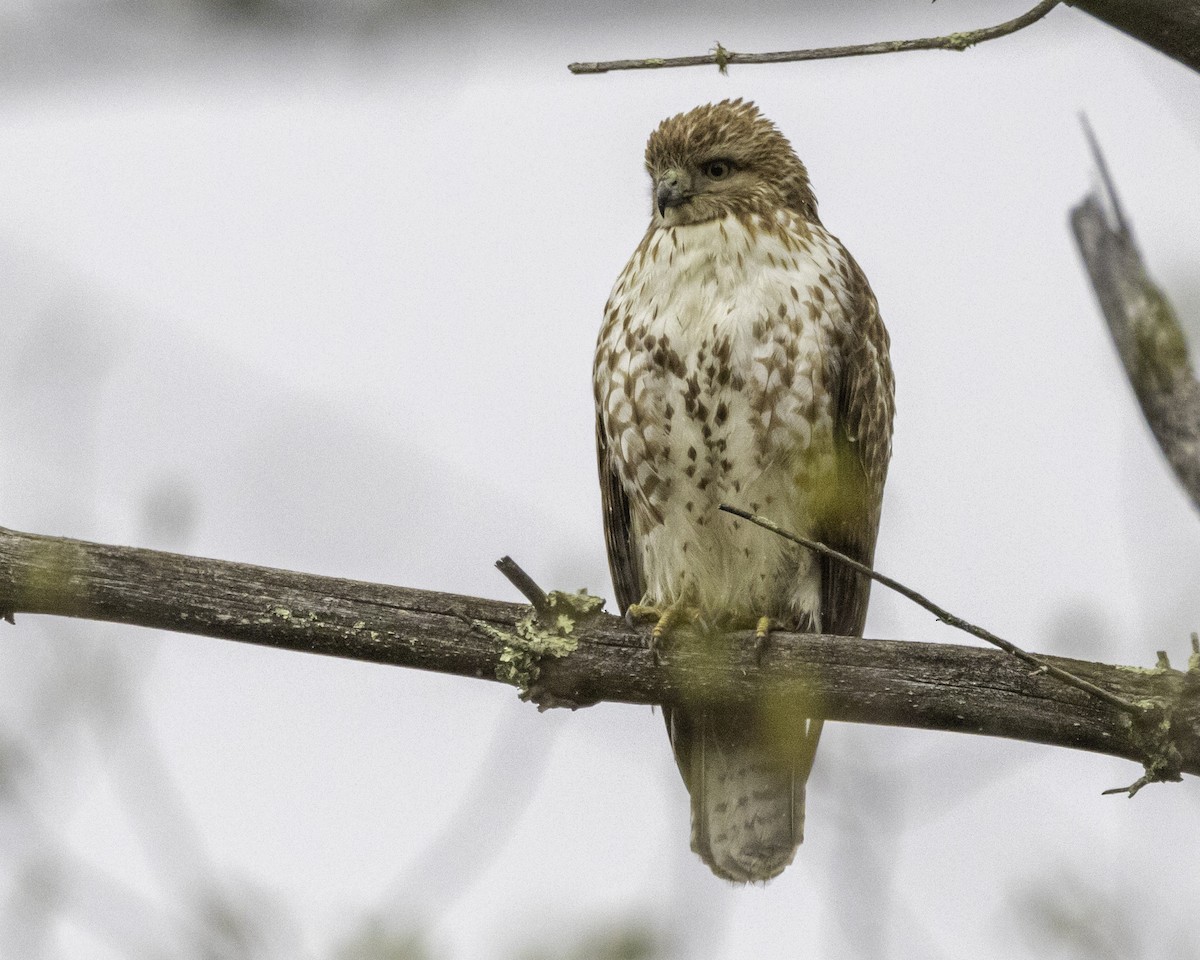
pixel 742 359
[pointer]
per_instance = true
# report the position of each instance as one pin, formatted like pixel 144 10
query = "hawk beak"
pixel 669 192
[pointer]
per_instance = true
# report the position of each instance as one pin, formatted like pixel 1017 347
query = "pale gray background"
pixel 317 286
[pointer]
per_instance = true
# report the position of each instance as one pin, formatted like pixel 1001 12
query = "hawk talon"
pixel 637 613
pixel 671 616
pixel 641 613
pixel 762 633
pixel 666 619
pixel 676 613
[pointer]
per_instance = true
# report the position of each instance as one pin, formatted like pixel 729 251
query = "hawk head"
pixel 724 158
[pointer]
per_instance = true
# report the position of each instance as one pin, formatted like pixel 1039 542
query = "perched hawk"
pixel 742 359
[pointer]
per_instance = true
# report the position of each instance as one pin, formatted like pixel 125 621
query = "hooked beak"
pixel 669 191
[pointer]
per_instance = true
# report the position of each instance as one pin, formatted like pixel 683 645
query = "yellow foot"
pixel 670 618
pixel 642 612
pixel 666 619
pixel 761 633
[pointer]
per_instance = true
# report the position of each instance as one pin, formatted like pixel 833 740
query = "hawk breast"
pixel 713 376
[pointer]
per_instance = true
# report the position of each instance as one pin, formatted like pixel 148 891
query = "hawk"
pixel 742 359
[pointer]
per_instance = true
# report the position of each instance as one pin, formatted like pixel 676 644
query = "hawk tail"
pixel 747 789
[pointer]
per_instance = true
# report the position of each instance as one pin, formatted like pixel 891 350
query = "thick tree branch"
pixel 722 58
pixel 931 686
pixel 1169 26
pixel 1144 329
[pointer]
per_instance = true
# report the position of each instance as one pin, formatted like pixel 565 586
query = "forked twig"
pixel 940 612
pixel 722 58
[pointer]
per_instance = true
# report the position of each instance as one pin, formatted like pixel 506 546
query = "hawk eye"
pixel 718 169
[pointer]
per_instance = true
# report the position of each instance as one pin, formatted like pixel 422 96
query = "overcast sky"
pixel 321 300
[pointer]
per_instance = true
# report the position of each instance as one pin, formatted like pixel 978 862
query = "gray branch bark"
pixel 1145 330
pixel 898 683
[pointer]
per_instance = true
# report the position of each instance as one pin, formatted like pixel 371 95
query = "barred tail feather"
pixel 747 794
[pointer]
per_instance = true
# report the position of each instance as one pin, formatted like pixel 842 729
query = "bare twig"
pixel 941 612
pixel 525 585
pixel 1130 790
pixel 720 57
pixel 1110 188
pixel 1149 340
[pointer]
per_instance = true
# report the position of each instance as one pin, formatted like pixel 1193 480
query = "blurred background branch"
pixel 930 686
pixel 1149 340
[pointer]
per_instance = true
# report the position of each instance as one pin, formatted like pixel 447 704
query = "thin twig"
pixel 940 612
pixel 1132 789
pixel 525 584
pixel 721 57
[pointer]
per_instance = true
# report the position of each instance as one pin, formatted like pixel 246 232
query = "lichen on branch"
pixel 533 640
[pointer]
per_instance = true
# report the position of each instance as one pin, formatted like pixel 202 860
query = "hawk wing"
pixel 863 407
pixel 624 556
pixel 625 564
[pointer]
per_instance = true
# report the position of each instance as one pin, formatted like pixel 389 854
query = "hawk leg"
pixel 675 614
pixel 761 632
pixel 666 619
pixel 642 612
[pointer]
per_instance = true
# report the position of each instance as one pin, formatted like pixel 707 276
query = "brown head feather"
pixel 766 173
